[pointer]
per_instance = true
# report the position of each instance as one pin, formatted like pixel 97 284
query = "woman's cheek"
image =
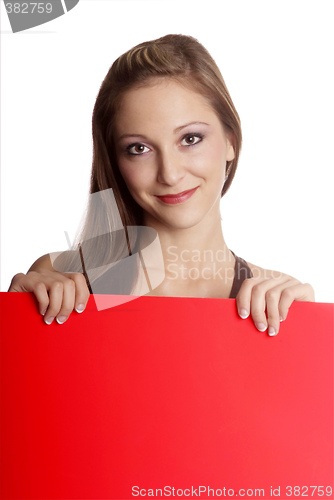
pixel 137 179
pixel 128 172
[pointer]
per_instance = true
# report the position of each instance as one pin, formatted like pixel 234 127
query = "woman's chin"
pixel 177 222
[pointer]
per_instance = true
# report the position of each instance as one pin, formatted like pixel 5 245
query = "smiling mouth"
pixel 174 199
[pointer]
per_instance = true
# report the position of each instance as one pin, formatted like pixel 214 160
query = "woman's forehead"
pixel 162 99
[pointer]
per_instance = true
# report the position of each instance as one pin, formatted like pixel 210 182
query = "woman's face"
pixel 172 151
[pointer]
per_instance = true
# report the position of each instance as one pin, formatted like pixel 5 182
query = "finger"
pixel 258 306
pixel 67 304
pixel 300 291
pixel 42 297
pixel 272 300
pixel 56 291
pixel 243 297
pixel 82 293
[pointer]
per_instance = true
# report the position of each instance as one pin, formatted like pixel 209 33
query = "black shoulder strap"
pixel 241 272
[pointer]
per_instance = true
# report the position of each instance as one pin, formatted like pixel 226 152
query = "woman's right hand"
pixel 57 293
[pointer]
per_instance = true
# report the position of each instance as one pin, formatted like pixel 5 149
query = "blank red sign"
pixel 165 397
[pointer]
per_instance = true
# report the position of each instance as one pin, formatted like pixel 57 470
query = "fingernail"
pixel 271 331
pixel 61 319
pixel 243 313
pixel 261 326
pixel 42 313
pixel 281 319
pixel 80 308
pixel 49 321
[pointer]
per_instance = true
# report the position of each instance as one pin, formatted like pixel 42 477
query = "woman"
pixel 167 139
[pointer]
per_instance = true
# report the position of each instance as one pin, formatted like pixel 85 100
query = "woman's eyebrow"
pixel 178 129
pixel 187 125
pixel 124 136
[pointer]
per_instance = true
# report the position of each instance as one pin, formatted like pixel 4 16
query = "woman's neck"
pixel 197 259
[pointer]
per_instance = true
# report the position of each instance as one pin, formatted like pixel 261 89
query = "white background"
pixel 276 58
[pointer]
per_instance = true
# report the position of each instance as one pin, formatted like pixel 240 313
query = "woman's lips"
pixel 173 199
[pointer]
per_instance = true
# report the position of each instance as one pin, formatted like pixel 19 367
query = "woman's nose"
pixel 170 167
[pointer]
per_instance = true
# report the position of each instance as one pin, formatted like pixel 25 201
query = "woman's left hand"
pixel 270 292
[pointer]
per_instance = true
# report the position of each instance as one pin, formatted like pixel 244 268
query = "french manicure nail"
pixel 61 319
pixel 43 312
pixel 49 321
pixel 80 308
pixel 281 319
pixel 261 326
pixel 271 331
pixel 243 313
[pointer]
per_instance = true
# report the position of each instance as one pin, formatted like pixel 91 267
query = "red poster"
pixel 165 397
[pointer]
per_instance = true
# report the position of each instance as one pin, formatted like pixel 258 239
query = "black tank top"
pixel 242 271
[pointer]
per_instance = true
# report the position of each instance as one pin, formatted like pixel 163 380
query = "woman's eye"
pixel 137 149
pixel 191 139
